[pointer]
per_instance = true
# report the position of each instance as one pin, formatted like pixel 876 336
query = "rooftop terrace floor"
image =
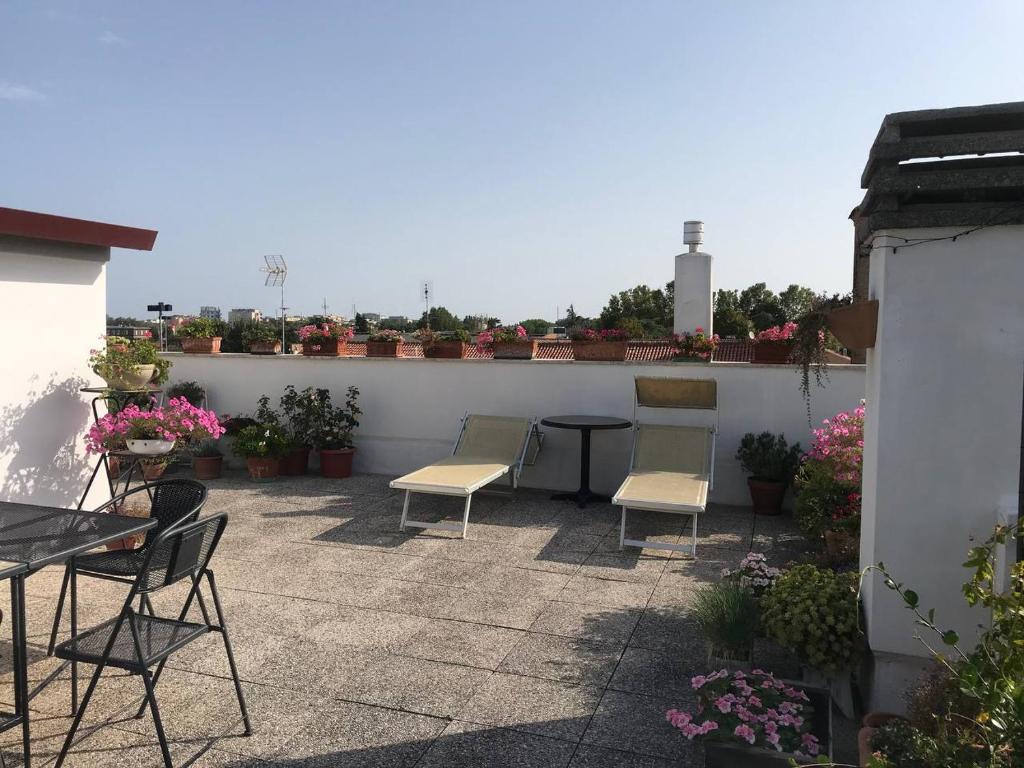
pixel 535 642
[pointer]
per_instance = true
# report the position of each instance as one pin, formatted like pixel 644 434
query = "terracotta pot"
pixel 856 325
pixel 201 346
pixel 773 352
pixel 264 347
pixel 383 348
pixel 113 467
pixel 129 542
pixel 766 496
pixel 153 471
pixel 262 468
pixel 207 467
pixel 137 378
pixel 295 462
pixel 599 351
pixel 325 348
pixel 515 350
pixel 336 463
pixel 446 350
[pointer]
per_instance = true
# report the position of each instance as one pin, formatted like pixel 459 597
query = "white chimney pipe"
pixel 693 305
pixel 693 234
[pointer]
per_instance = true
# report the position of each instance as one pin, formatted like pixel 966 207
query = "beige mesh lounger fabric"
pixel 673 466
pixel 488 448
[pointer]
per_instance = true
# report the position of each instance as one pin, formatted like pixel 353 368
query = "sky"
pixel 521 155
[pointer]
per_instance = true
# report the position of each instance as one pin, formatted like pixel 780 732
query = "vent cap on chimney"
pixel 693 234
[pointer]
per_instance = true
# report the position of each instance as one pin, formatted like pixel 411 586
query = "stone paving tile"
pixel 567 659
pixel 635 566
pixel 459 642
pixel 657 674
pixel 614 594
pixel 594 622
pixel 541 707
pixel 589 756
pixel 669 629
pixel 520 581
pixel 469 744
pixel 634 723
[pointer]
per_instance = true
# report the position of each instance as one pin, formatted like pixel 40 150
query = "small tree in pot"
pixel 335 437
pixel 772 463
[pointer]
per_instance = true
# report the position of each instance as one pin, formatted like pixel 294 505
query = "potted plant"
pixel 325 340
pixel 130 509
pixel 153 432
pixel 812 342
pixel 154 468
pixel 200 335
pixel 261 339
pixel 605 345
pixel 771 463
pixel 262 446
pixel 302 415
pixel 207 460
pixel 814 613
pixel 754 574
pixel 334 440
pixel 755 720
pixel 444 345
pixel 190 390
pixel 507 343
pixel 696 347
pixel 726 614
pixel 127 365
pixel 384 343
pixel 774 346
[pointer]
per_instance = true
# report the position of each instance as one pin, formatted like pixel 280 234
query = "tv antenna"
pixel 277 271
pixel 426 289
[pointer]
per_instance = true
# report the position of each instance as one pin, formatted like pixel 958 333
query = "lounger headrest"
pixel 665 392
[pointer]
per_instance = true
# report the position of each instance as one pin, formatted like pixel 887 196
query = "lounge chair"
pixel 488 448
pixel 672 468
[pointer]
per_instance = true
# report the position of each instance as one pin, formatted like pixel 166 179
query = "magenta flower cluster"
pixel 778 333
pixel 839 443
pixel 754 573
pixel 503 334
pixel 696 345
pixel 315 333
pixel 178 420
pixel 605 334
pixel 756 709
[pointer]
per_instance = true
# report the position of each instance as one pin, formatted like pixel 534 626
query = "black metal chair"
pixel 172 502
pixel 136 641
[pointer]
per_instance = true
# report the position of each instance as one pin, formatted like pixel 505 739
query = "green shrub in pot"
pixel 771 463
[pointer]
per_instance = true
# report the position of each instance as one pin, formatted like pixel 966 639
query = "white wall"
pixel 413 406
pixel 43 417
pixel 943 429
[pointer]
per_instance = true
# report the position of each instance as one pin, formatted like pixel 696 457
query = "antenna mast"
pixel 277 271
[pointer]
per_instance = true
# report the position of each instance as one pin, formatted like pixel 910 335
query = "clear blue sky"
pixel 521 155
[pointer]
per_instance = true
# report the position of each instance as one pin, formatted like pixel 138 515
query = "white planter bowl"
pixel 150 447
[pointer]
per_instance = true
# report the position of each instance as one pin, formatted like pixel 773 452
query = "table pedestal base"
pixel 581 497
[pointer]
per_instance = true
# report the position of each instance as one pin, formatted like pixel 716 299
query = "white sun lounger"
pixel 672 467
pixel 488 448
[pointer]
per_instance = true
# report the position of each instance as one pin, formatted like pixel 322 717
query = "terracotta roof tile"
pixel 729 350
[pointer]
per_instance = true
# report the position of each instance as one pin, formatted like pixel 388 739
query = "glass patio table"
pixel 32 537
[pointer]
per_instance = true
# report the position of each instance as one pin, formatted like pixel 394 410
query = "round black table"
pixel 585 424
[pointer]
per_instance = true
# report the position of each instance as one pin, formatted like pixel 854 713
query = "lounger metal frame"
pixel 686 509
pixel 533 433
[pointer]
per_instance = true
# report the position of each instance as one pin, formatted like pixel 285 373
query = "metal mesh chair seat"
pixel 119 562
pixel 158 638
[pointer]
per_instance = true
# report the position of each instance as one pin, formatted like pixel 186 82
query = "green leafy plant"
pixel 812 340
pixel 190 390
pixel 304 413
pixel 814 613
pixel 428 337
pixel 340 423
pixel 727 615
pixel 120 356
pixel 768 457
pixel 200 328
pixel 205 449
pixel 261 441
pixel 260 333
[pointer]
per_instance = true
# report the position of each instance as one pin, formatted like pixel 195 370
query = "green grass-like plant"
pixel 727 615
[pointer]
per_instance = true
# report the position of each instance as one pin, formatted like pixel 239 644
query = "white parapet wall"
pixel 412 406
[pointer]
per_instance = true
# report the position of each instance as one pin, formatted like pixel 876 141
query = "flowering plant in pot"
pixel 775 345
pixel 261 339
pixel 726 614
pixel 385 342
pixel 126 364
pixel 607 344
pixel 200 335
pixel 325 340
pixel 696 346
pixel 754 574
pixel 207 459
pixel 771 463
pixel 755 719
pixel 444 345
pixel 334 440
pixel 262 446
pixel 153 432
pixel 507 343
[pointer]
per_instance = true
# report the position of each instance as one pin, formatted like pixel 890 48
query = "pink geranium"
pixel 778 333
pixel 316 333
pixel 178 420
pixel 503 334
pixel 695 346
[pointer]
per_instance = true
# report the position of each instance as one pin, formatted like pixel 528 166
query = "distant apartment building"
pixel 244 315
pixel 371 317
pixel 129 332
pixel 211 313
pixel 396 319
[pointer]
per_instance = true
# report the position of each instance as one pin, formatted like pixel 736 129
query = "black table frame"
pixel 583 495
pixel 33 563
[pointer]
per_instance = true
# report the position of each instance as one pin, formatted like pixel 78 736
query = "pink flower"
pixel 698 682
pixel 745 732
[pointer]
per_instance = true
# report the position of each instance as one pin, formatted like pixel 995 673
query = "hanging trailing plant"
pixel 812 340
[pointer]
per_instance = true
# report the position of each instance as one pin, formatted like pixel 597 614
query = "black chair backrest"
pixel 179 552
pixel 174 501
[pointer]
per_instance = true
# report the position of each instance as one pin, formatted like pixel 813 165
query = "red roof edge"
pixel 46 226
